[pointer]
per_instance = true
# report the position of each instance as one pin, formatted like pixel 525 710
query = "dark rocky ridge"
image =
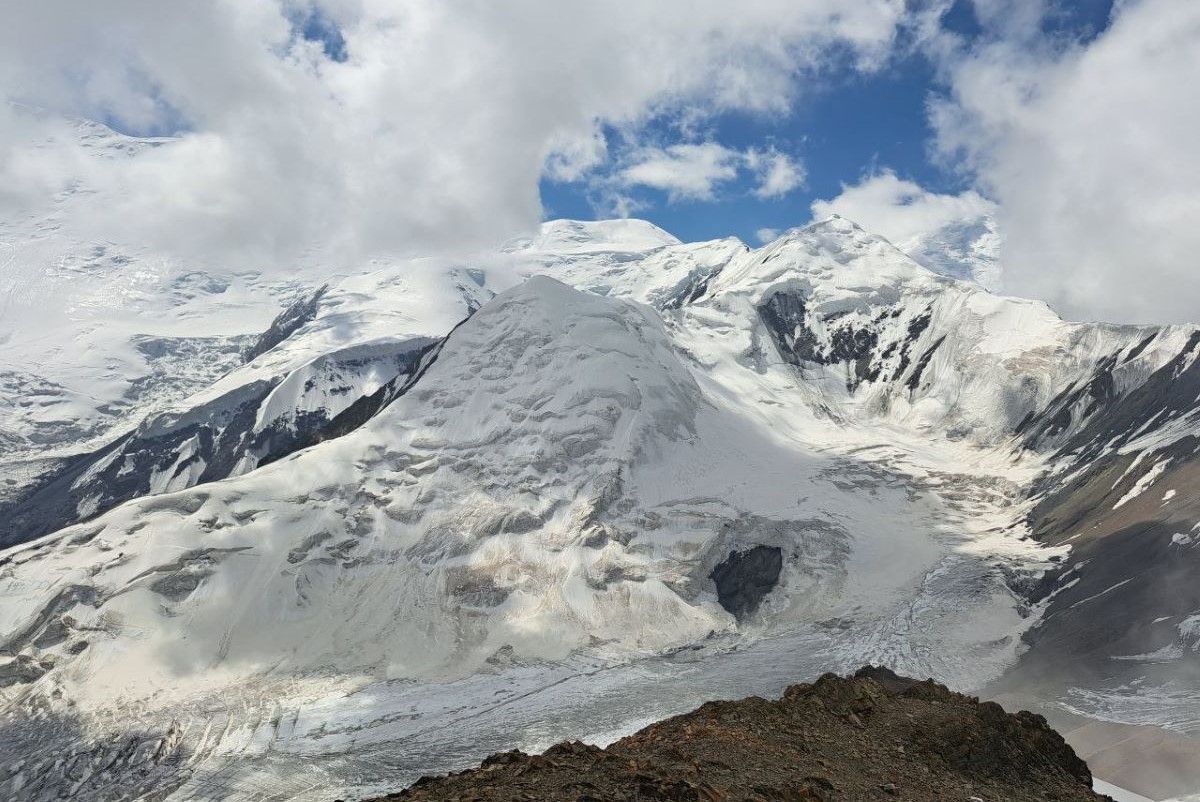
pixel 874 736
pixel 1130 579
pixel 287 323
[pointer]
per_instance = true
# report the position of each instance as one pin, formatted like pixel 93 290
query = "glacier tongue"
pixel 698 470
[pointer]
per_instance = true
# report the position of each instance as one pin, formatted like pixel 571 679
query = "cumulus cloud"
pixel 1090 151
pixel 684 172
pixel 695 171
pixel 778 173
pixel 387 125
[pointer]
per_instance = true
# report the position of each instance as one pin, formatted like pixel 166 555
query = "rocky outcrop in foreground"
pixel 874 736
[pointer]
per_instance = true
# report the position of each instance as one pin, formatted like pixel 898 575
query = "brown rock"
pixel 915 735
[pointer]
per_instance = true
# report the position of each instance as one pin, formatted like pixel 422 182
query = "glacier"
pixel 442 507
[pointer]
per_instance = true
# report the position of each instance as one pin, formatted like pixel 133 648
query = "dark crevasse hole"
pixel 745 577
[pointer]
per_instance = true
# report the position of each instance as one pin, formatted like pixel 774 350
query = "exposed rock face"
pixel 286 324
pixel 1124 609
pixel 746 577
pixel 873 736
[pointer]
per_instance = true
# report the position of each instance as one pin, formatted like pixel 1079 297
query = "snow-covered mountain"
pixel 308 374
pixel 592 478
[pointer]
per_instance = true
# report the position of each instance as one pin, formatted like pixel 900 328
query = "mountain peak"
pixel 832 258
pixel 871 736
pixel 834 222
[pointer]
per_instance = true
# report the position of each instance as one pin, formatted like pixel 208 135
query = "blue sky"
pixel 838 132
pixel 848 125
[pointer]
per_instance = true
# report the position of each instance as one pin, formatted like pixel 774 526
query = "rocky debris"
pixel 873 736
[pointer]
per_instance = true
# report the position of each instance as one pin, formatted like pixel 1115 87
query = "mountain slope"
pixel 329 350
pixel 708 466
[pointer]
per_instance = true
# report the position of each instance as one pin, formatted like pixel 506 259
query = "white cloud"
pixel 618 204
pixel 571 158
pixel 778 173
pixel 952 234
pixel 1092 153
pixel 432 135
pixel 684 172
pixel 695 171
pixel 765 235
